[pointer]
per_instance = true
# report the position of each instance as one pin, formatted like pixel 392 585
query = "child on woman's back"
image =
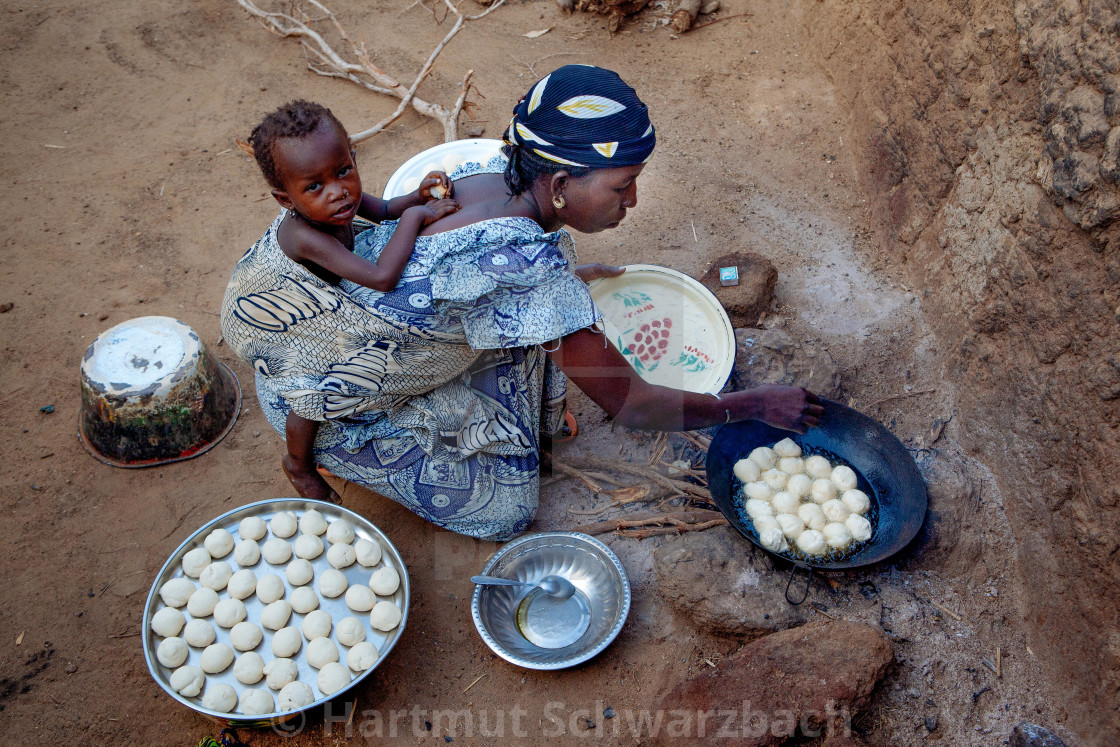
pixel 304 153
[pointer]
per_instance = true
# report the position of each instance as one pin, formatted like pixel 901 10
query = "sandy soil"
pixel 125 115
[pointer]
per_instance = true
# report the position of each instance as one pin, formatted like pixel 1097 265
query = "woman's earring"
pixel 558 202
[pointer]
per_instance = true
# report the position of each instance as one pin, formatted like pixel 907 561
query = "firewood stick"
pixel 685 15
pixel 685 517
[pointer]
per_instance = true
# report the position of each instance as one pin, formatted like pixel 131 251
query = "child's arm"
pixel 379 210
pixel 327 252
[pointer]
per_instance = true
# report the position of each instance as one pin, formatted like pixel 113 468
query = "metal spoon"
pixel 554 586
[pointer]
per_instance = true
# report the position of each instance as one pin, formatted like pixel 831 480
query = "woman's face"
pixel 598 200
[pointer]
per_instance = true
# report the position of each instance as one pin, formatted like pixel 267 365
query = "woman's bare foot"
pixel 308 482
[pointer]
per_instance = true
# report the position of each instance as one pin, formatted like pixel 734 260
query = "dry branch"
pixel 326 61
pixel 677 486
pixel 675 518
pixel 640 534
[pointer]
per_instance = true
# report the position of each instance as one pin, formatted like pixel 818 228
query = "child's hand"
pixel 431 212
pixel 436 186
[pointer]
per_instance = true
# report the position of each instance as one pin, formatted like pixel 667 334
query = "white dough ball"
pixel 411 184
pixel 844 477
pixel 199 633
pixel 350 631
pixel 203 602
pixel 286 642
pixel 172 652
pixel 219 543
pixel 320 651
pixel 791 525
pixel 859 527
pixel 276 551
pixel 758 490
pixel 332 583
pixel 450 163
pixel 332 678
pixel 270 588
pixel 245 636
pixel 308 546
pixel 220 697
pixel 773 540
pixel 299 572
pixel 249 668
pixel 368 553
pixel 811 514
pixel 360 598
pixel 812 542
pixel 242 584
pixel 279 673
pixel 787 447
pixel 215 658
pixel 856 501
pixel 384 581
pixel 252 528
pixel 385 616
pixel 216 575
pixel 229 612
pixel 176 592
pixel 304 599
pixel 818 467
pixel 764 457
pixel 775 478
pixel 799 485
pixel 835 510
pixel 295 695
pixel 746 470
pixel 283 524
pixel 276 615
pixel 247 553
pixel 340 531
pixel 312 523
pixel 791 465
pixel 167 621
pixel 755 508
pixel 187 681
pixel 837 535
pixel 785 502
pixel 362 656
pixel 194 561
pixel 317 624
pixel 341 555
pixel 764 522
pixel 822 491
pixel 256 702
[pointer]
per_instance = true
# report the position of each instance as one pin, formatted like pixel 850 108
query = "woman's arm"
pixel 600 371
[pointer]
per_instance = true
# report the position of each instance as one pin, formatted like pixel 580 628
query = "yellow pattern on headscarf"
pixel 590 107
pixel 558 159
pixel 607 149
pixel 538 92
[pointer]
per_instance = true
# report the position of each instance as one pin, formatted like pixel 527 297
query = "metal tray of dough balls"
pixel 356 574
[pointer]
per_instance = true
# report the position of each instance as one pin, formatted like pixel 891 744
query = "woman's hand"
pixel 432 211
pixel 595 271
pixel 436 185
pixel 788 407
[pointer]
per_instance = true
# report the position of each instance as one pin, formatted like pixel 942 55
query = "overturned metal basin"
pixel 153 394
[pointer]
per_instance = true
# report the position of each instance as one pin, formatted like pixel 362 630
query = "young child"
pixel 304 153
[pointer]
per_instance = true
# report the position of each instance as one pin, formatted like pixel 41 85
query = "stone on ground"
pixel 746 301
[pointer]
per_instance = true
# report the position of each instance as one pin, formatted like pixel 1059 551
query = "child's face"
pixel 320 180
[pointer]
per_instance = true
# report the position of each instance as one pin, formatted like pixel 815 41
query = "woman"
pixel 435 393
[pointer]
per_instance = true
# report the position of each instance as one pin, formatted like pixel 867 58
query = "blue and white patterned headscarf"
pixel 585 116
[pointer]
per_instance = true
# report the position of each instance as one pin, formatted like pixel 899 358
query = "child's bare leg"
pixel 299 462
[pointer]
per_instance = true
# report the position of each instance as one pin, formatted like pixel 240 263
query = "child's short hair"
pixel 294 119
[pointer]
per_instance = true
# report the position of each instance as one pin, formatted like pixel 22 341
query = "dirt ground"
pixel 125 115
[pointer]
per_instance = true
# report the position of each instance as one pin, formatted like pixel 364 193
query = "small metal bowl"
pixel 152 393
pixel 526 627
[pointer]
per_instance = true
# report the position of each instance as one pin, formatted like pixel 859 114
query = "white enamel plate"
pixel 668 326
pixel 444 157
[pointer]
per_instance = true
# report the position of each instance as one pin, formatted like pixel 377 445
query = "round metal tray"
pixel 528 628
pixel 355 574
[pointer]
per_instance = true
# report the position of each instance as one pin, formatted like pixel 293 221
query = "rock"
pixel 772 356
pixel 725 584
pixel 746 301
pixel 476 130
pixel 806 681
pixel 1026 734
pixel 931 723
